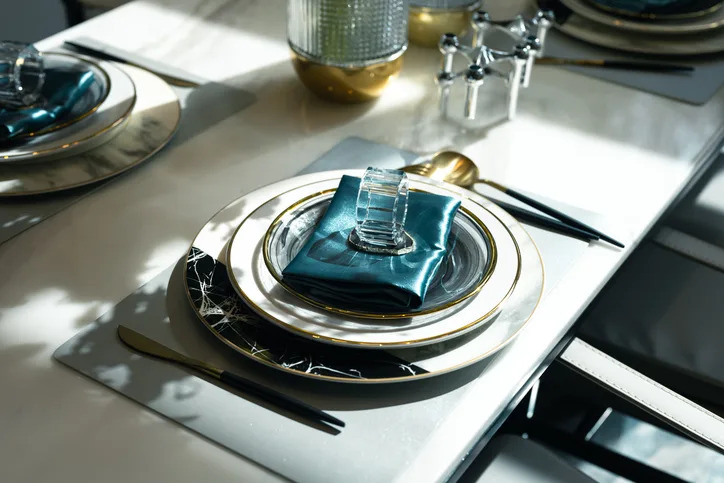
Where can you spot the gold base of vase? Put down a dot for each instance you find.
(346, 84)
(427, 25)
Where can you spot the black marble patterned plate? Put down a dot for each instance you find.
(225, 314)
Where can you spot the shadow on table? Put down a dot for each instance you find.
(203, 108)
(168, 318)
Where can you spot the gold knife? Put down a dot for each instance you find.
(143, 344)
(616, 64)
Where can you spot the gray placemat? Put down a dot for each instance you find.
(387, 425)
(201, 110)
(695, 88)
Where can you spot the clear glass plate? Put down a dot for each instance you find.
(95, 127)
(463, 271)
(89, 102)
(249, 261)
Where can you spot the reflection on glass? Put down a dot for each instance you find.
(461, 271)
(382, 208)
(21, 74)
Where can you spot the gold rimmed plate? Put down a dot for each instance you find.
(225, 315)
(704, 23)
(470, 261)
(657, 11)
(90, 128)
(149, 127)
(88, 103)
(596, 33)
(263, 292)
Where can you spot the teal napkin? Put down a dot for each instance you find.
(328, 269)
(62, 89)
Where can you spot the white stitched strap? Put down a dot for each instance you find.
(704, 252)
(692, 419)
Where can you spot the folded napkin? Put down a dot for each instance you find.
(328, 268)
(62, 89)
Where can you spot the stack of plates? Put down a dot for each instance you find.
(697, 27)
(484, 292)
(125, 116)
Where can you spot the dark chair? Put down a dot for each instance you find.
(663, 313)
(76, 11)
(513, 459)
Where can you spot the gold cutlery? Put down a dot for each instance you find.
(143, 344)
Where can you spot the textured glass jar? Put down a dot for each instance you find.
(430, 19)
(347, 50)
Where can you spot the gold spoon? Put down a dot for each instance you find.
(458, 169)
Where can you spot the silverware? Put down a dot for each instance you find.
(458, 169)
(95, 48)
(143, 344)
(521, 214)
(616, 64)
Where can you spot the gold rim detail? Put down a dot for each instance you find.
(344, 342)
(161, 145)
(295, 372)
(349, 85)
(67, 123)
(368, 315)
(124, 117)
(426, 25)
(655, 16)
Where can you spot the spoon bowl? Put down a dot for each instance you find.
(456, 168)
(449, 166)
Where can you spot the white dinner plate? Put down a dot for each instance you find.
(225, 315)
(692, 25)
(105, 122)
(264, 293)
(152, 123)
(88, 102)
(582, 28)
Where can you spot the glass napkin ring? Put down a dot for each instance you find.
(21, 74)
(381, 211)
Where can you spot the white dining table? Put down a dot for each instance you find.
(623, 154)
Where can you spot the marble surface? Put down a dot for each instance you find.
(407, 414)
(605, 148)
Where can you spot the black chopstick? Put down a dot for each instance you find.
(278, 398)
(617, 64)
(556, 214)
(545, 222)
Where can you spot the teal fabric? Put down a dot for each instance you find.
(328, 269)
(62, 89)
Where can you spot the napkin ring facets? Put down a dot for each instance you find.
(381, 211)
